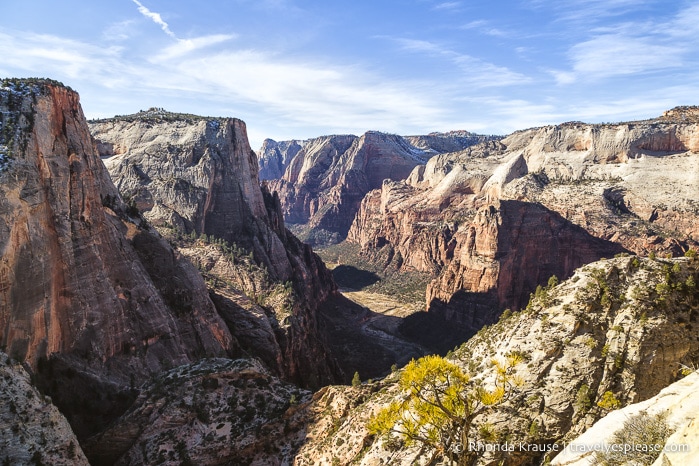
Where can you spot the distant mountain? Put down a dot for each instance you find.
(324, 182)
(452, 141)
(497, 219)
(273, 157)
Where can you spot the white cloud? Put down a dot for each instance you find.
(156, 18)
(450, 6)
(616, 54)
(119, 31)
(184, 46)
(475, 71)
(47, 55)
(475, 24)
(631, 48)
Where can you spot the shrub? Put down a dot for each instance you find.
(582, 398)
(608, 401)
(641, 429)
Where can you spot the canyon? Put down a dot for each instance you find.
(156, 309)
(324, 181)
(493, 222)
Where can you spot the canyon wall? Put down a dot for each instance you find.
(87, 288)
(497, 219)
(324, 183)
(198, 177)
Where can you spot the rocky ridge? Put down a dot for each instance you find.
(580, 191)
(618, 329)
(326, 180)
(34, 431)
(273, 157)
(197, 177)
(679, 406)
(92, 299)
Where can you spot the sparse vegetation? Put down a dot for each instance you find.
(647, 433)
(440, 404)
(157, 115)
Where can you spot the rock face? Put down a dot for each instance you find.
(325, 182)
(618, 329)
(452, 141)
(198, 176)
(503, 216)
(33, 430)
(273, 157)
(85, 286)
(678, 402)
(212, 412)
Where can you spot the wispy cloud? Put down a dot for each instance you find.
(184, 46)
(589, 11)
(617, 54)
(450, 6)
(474, 70)
(156, 18)
(119, 31)
(300, 93)
(631, 48)
(485, 27)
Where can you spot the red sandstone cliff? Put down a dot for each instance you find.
(325, 181)
(494, 221)
(84, 289)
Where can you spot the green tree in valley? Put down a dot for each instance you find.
(356, 381)
(439, 405)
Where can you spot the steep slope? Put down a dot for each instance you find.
(327, 179)
(273, 157)
(34, 431)
(678, 404)
(616, 332)
(214, 412)
(197, 177)
(503, 216)
(91, 298)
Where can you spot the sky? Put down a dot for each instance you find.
(296, 69)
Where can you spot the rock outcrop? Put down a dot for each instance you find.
(325, 182)
(273, 157)
(678, 404)
(617, 332)
(33, 430)
(503, 216)
(452, 141)
(213, 412)
(197, 177)
(91, 299)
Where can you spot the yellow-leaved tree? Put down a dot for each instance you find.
(439, 404)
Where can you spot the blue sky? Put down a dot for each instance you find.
(300, 69)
